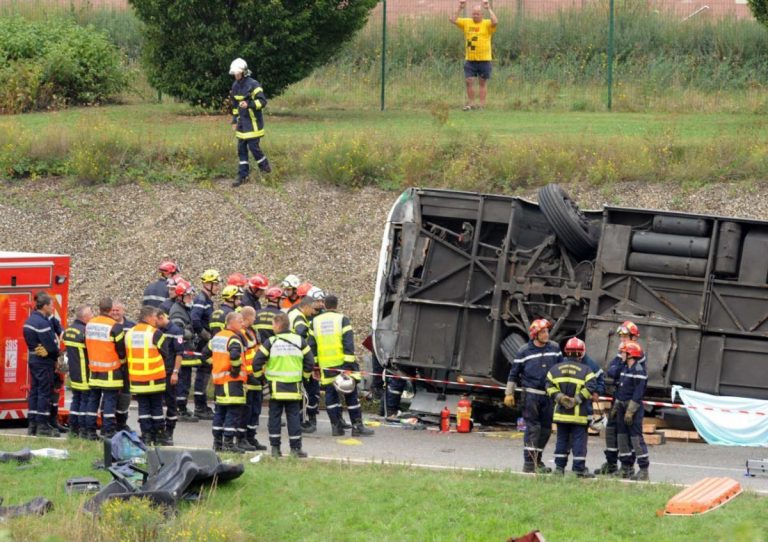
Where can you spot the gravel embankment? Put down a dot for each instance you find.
(116, 235)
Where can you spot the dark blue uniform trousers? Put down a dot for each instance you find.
(250, 422)
(611, 444)
(571, 438)
(333, 405)
(108, 408)
(537, 412)
(243, 145)
(202, 376)
(78, 409)
(293, 419)
(40, 391)
(312, 387)
(169, 398)
(151, 419)
(630, 439)
(226, 420)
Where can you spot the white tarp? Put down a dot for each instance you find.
(741, 426)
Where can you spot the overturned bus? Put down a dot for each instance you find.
(461, 275)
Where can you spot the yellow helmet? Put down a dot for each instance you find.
(210, 275)
(230, 292)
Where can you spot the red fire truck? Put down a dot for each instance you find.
(22, 274)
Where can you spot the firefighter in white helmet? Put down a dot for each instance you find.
(248, 102)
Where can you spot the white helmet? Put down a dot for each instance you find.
(316, 294)
(291, 281)
(344, 383)
(238, 66)
(598, 422)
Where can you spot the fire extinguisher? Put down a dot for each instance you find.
(445, 420)
(464, 415)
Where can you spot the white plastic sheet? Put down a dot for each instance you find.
(744, 428)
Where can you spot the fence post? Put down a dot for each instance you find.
(610, 55)
(383, 50)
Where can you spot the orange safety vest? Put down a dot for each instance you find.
(102, 354)
(146, 368)
(286, 304)
(221, 363)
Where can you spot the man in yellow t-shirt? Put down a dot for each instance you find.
(477, 36)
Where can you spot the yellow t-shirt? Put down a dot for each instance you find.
(478, 38)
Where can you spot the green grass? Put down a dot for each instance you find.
(291, 500)
(500, 151)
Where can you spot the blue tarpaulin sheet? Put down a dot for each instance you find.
(745, 423)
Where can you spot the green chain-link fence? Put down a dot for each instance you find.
(670, 55)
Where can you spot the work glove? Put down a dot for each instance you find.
(614, 411)
(234, 372)
(205, 335)
(566, 402)
(40, 351)
(509, 401)
(629, 414)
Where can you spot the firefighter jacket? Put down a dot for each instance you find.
(249, 120)
(251, 343)
(286, 359)
(105, 343)
(146, 368)
(219, 317)
(227, 353)
(250, 300)
(39, 330)
(576, 380)
(155, 293)
(598, 372)
(615, 365)
(263, 322)
(180, 316)
(202, 309)
(531, 364)
(631, 381)
(299, 324)
(166, 305)
(77, 356)
(334, 345)
(172, 346)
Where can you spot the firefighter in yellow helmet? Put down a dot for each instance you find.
(202, 310)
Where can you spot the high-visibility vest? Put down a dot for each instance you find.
(285, 366)
(328, 330)
(222, 364)
(146, 368)
(103, 360)
(251, 345)
(77, 358)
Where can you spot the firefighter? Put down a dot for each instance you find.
(249, 425)
(157, 291)
(237, 279)
(628, 410)
(180, 315)
(124, 396)
(298, 318)
(529, 370)
(286, 359)
(254, 291)
(571, 384)
(248, 101)
(59, 375)
(166, 305)
(335, 354)
(43, 350)
(230, 296)
(105, 343)
(627, 331)
(265, 316)
(202, 309)
(77, 362)
(227, 352)
(146, 373)
(290, 297)
(172, 351)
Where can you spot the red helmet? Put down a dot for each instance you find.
(537, 326)
(258, 282)
(168, 267)
(303, 289)
(274, 293)
(632, 349)
(183, 288)
(575, 346)
(628, 328)
(237, 279)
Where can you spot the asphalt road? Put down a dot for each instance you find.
(675, 462)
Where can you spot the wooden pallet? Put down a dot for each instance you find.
(681, 436)
(655, 439)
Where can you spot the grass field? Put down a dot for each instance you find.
(289, 500)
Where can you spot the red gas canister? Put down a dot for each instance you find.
(445, 420)
(464, 415)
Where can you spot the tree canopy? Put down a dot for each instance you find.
(190, 43)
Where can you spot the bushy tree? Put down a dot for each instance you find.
(759, 10)
(190, 43)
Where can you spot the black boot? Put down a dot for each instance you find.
(218, 443)
(255, 443)
(47, 430)
(186, 416)
(162, 439)
(607, 468)
(345, 425)
(337, 430)
(584, 473)
(310, 424)
(91, 434)
(148, 439)
(204, 413)
(239, 181)
(265, 167)
(641, 475)
(360, 430)
(276, 452)
(229, 445)
(298, 452)
(626, 472)
(32, 428)
(244, 445)
(168, 437)
(74, 430)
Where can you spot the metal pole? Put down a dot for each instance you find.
(383, 50)
(610, 55)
